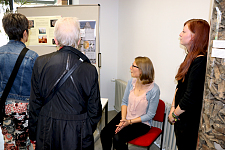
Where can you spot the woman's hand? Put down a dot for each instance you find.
(119, 126)
(175, 117)
(33, 143)
(34, 146)
(170, 117)
(123, 123)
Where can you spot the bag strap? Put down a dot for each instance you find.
(81, 102)
(60, 82)
(13, 75)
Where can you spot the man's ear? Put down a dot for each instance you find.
(56, 42)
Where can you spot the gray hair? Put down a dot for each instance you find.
(67, 31)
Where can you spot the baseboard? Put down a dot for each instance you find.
(110, 108)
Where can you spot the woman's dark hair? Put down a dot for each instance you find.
(147, 70)
(199, 44)
(14, 25)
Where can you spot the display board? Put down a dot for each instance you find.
(85, 13)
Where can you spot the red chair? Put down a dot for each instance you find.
(147, 139)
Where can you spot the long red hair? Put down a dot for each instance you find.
(199, 44)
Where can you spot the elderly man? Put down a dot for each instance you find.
(64, 115)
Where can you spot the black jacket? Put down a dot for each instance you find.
(69, 119)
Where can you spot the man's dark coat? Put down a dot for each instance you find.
(69, 119)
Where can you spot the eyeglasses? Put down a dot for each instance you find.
(134, 66)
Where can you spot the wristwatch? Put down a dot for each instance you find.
(175, 117)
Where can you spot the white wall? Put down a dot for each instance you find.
(151, 28)
(3, 37)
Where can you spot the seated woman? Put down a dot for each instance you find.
(138, 107)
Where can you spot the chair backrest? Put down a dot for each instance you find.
(159, 116)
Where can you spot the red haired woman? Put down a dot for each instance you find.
(186, 106)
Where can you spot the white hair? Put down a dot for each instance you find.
(67, 31)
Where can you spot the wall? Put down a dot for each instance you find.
(131, 28)
(152, 28)
(3, 37)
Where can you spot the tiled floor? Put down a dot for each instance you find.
(98, 145)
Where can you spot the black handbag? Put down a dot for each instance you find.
(10, 83)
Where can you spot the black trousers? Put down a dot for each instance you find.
(186, 135)
(125, 135)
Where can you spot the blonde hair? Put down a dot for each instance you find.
(67, 31)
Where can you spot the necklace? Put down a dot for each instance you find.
(139, 87)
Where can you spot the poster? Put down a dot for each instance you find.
(88, 39)
(41, 31)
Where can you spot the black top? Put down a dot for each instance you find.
(189, 94)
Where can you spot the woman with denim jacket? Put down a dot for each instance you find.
(138, 107)
(15, 125)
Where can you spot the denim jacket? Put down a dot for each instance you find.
(153, 99)
(8, 56)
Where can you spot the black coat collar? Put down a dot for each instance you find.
(77, 52)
